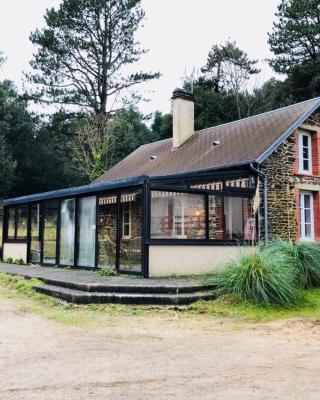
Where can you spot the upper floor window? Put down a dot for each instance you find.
(305, 153)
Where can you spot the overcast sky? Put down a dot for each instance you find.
(179, 34)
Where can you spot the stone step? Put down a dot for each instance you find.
(119, 286)
(85, 297)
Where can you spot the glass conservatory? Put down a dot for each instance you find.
(134, 225)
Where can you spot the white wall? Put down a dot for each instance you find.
(15, 251)
(190, 260)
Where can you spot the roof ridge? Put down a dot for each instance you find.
(258, 115)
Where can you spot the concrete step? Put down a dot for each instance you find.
(118, 286)
(85, 297)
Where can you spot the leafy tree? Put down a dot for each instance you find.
(127, 131)
(34, 156)
(162, 126)
(84, 54)
(211, 107)
(295, 42)
(7, 168)
(99, 142)
(229, 68)
(272, 95)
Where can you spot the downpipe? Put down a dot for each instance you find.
(265, 200)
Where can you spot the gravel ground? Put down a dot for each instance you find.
(160, 357)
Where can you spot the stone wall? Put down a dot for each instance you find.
(279, 169)
(284, 181)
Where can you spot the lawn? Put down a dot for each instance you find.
(20, 290)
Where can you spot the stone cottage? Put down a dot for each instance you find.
(184, 205)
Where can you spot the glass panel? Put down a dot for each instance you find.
(307, 216)
(107, 234)
(306, 165)
(216, 218)
(307, 201)
(131, 231)
(231, 218)
(307, 228)
(11, 223)
(35, 248)
(305, 141)
(22, 228)
(87, 232)
(50, 232)
(67, 232)
(177, 215)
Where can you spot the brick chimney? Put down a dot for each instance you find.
(183, 117)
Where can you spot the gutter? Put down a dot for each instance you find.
(265, 200)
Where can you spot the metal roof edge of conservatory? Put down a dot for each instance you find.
(74, 191)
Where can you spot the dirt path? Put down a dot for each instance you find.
(156, 358)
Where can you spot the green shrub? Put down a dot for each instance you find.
(261, 277)
(107, 272)
(9, 260)
(303, 258)
(19, 261)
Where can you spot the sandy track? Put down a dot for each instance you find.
(156, 358)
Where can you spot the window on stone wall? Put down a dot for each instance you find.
(305, 152)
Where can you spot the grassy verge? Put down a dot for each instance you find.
(20, 290)
(230, 306)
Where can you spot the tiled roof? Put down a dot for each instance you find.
(247, 140)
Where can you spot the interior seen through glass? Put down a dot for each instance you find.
(87, 232)
(131, 231)
(177, 215)
(50, 232)
(35, 247)
(22, 223)
(107, 233)
(231, 218)
(11, 223)
(67, 232)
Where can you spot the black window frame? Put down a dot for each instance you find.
(15, 238)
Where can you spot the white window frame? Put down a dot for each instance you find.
(301, 159)
(128, 210)
(302, 216)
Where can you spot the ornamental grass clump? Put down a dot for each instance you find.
(303, 258)
(260, 277)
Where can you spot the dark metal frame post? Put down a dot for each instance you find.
(29, 234)
(58, 233)
(76, 233)
(118, 240)
(4, 229)
(207, 216)
(97, 247)
(42, 218)
(146, 218)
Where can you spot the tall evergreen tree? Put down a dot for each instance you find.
(84, 53)
(229, 68)
(295, 42)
